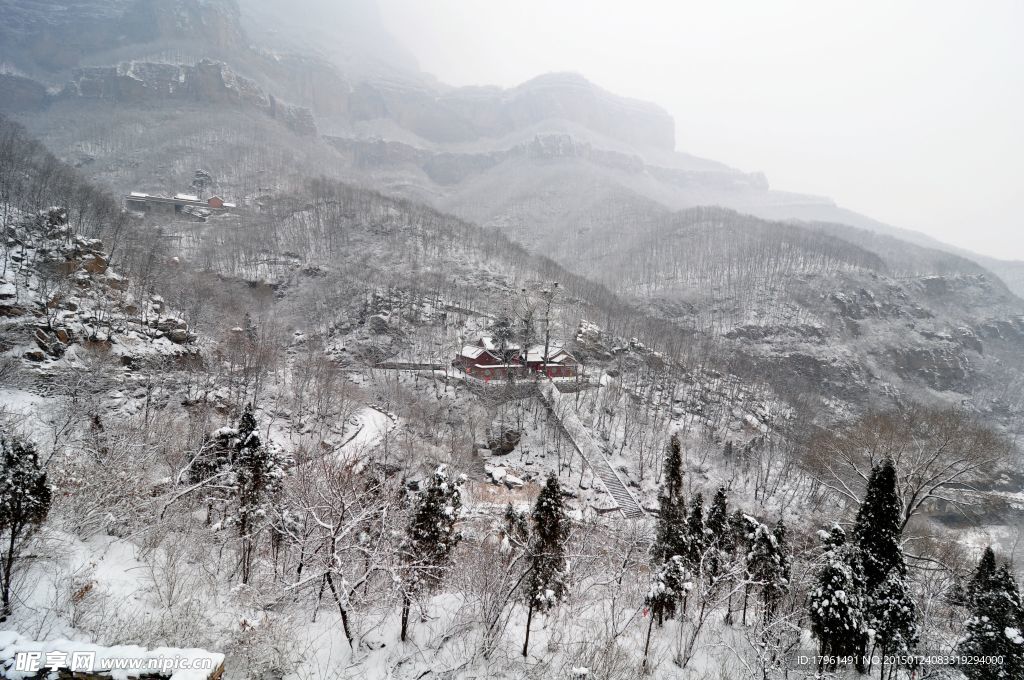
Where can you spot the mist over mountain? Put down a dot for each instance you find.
(317, 366)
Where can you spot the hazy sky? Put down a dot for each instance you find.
(910, 111)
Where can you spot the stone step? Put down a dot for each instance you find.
(592, 453)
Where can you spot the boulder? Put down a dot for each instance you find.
(171, 324)
(505, 444)
(95, 264)
(513, 482)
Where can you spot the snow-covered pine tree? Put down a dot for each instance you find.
(981, 580)
(720, 537)
(503, 331)
(516, 529)
(243, 478)
(669, 534)
(894, 616)
(670, 582)
(717, 522)
(668, 585)
(25, 499)
(836, 602)
(696, 537)
(785, 559)
(431, 537)
(996, 629)
(259, 474)
(877, 532)
(877, 528)
(766, 566)
(742, 526)
(546, 585)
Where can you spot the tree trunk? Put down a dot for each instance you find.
(319, 597)
(406, 604)
(647, 643)
(529, 618)
(7, 575)
(341, 609)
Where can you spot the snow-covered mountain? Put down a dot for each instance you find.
(256, 431)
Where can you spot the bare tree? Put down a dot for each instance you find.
(940, 455)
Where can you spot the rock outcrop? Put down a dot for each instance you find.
(51, 37)
(207, 82)
(60, 293)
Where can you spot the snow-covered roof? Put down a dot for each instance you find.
(186, 197)
(556, 353)
(139, 194)
(230, 205)
(491, 344)
(471, 352)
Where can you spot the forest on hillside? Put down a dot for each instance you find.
(203, 448)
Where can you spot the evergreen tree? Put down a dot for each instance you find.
(720, 535)
(258, 477)
(785, 559)
(516, 531)
(201, 181)
(546, 585)
(669, 541)
(981, 580)
(877, 530)
(717, 522)
(766, 566)
(247, 473)
(696, 541)
(836, 603)
(25, 499)
(669, 534)
(503, 331)
(742, 528)
(670, 583)
(894, 616)
(431, 537)
(996, 628)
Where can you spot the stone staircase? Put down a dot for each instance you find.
(563, 410)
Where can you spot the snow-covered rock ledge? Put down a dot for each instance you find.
(22, 658)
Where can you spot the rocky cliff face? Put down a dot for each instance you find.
(217, 23)
(207, 82)
(50, 37)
